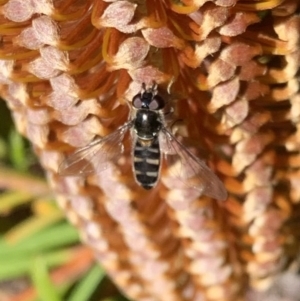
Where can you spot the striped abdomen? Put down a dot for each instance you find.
(146, 163)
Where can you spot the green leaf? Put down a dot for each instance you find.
(20, 266)
(59, 235)
(42, 282)
(3, 149)
(87, 286)
(14, 259)
(17, 153)
(32, 225)
(11, 199)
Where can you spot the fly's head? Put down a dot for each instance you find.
(148, 99)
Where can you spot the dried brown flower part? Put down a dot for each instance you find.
(230, 70)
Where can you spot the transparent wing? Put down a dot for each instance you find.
(93, 158)
(188, 170)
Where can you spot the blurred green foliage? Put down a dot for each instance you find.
(41, 257)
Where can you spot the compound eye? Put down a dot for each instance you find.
(157, 103)
(137, 101)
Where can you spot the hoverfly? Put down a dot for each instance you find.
(152, 144)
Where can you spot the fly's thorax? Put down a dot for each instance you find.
(147, 124)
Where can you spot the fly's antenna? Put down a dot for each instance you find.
(154, 88)
(144, 87)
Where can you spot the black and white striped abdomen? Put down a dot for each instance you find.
(146, 163)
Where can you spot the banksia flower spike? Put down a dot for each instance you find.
(229, 70)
